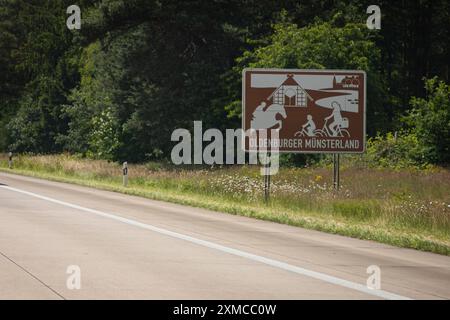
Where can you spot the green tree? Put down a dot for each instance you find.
(429, 120)
(137, 69)
(321, 45)
(41, 67)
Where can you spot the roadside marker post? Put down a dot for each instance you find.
(336, 173)
(125, 173)
(10, 155)
(267, 182)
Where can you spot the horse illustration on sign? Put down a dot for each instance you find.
(265, 118)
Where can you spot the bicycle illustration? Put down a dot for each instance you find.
(302, 133)
(308, 129)
(339, 131)
(325, 131)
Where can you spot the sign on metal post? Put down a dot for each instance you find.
(314, 111)
(125, 173)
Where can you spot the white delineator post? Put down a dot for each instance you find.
(336, 173)
(267, 180)
(125, 173)
(10, 160)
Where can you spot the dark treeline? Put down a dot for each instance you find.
(138, 69)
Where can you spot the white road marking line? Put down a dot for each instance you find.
(274, 263)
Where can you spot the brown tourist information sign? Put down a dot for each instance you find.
(312, 111)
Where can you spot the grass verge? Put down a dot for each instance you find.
(387, 215)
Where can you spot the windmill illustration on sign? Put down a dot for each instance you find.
(288, 94)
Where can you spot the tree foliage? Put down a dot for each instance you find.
(138, 69)
(429, 119)
(321, 45)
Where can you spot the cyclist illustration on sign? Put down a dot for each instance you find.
(338, 127)
(308, 129)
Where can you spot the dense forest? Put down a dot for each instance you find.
(138, 69)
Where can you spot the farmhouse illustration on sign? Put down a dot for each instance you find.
(290, 92)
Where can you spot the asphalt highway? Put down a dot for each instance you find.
(126, 247)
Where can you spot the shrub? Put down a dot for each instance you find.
(429, 119)
(396, 151)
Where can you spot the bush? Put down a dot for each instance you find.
(429, 119)
(401, 151)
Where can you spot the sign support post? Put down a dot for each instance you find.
(125, 173)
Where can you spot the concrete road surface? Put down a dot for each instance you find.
(133, 248)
